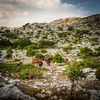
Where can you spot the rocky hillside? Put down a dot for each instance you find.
(91, 23)
(73, 44)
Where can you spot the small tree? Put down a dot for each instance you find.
(9, 53)
(74, 72)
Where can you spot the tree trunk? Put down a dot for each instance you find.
(71, 94)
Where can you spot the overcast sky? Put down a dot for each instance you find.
(19, 12)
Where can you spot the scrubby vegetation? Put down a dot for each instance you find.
(58, 58)
(9, 53)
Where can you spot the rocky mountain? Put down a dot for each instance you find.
(91, 23)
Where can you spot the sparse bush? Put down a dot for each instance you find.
(5, 42)
(24, 74)
(86, 52)
(45, 44)
(9, 53)
(91, 63)
(97, 73)
(39, 56)
(10, 35)
(60, 28)
(44, 37)
(94, 39)
(16, 60)
(93, 44)
(58, 58)
(67, 48)
(63, 34)
(30, 52)
(70, 28)
(43, 51)
(24, 42)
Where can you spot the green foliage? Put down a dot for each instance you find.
(7, 31)
(70, 28)
(10, 35)
(74, 71)
(97, 73)
(94, 39)
(93, 44)
(67, 48)
(24, 74)
(15, 44)
(86, 52)
(37, 36)
(5, 42)
(43, 51)
(91, 63)
(44, 37)
(9, 53)
(75, 41)
(39, 56)
(24, 26)
(45, 44)
(16, 60)
(79, 33)
(58, 58)
(30, 52)
(60, 28)
(63, 34)
(8, 67)
(24, 42)
(21, 43)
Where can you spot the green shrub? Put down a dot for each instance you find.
(39, 56)
(24, 74)
(43, 51)
(5, 42)
(16, 60)
(21, 43)
(97, 73)
(30, 52)
(68, 48)
(63, 34)
(10, 35)
(58, 58)
(93, 44)
(91, 63)
(8, 67)
(86, 52)
(70, 28)
(60, 28)
(24, 42)
(9, 53)
(45, 44)
(94, 39)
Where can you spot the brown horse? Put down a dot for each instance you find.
(65, 60)
(20, 63)
(37, 62)
(47, 60)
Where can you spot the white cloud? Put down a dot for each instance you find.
(19, 12)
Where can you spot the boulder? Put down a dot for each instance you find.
(40, 95)
(0, 75)
(9, 91)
